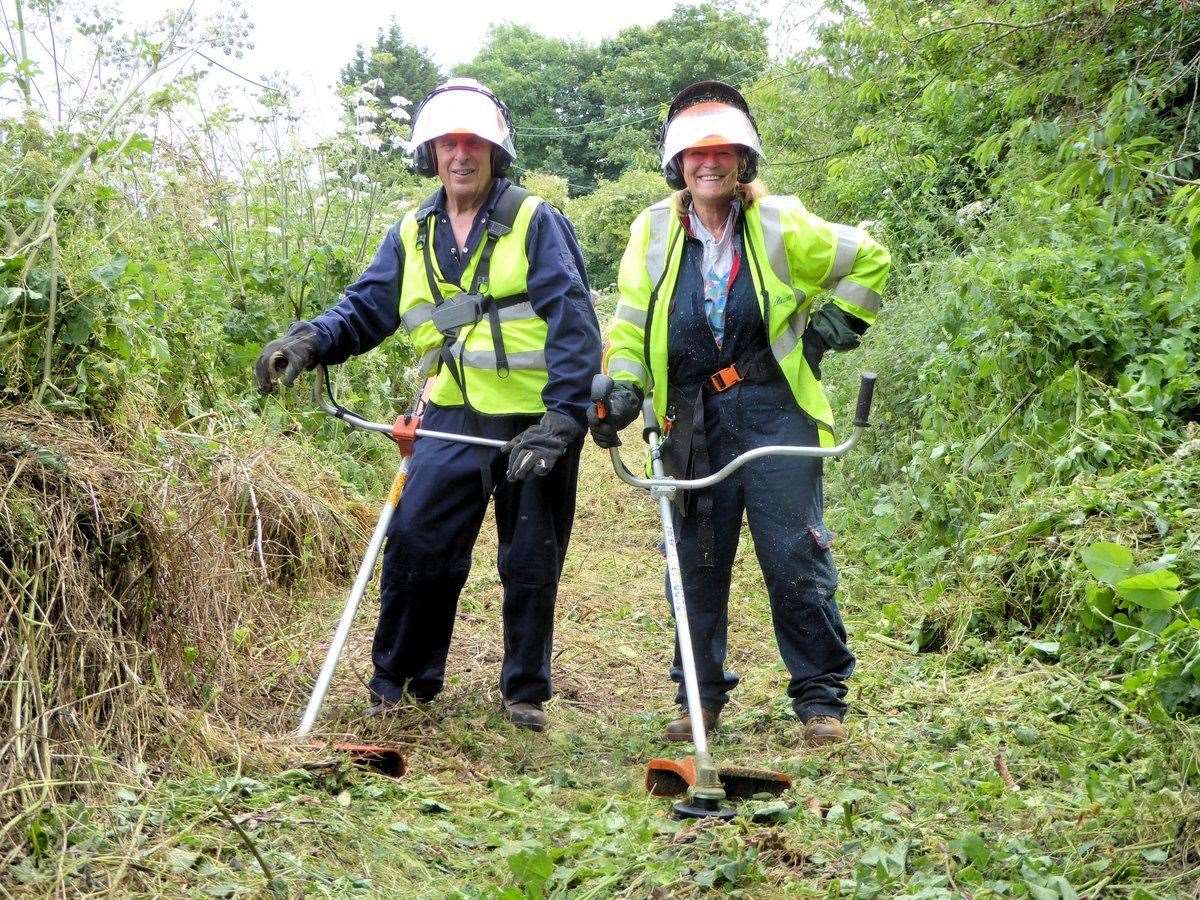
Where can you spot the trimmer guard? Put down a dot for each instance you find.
(672, 777)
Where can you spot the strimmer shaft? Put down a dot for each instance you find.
(682, 627)
(356, 594)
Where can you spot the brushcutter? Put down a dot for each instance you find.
(404, 431)
(707, 785)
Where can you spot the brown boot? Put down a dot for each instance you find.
(525, 715)
(822, 730)
(681, 729)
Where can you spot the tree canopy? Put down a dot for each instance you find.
(405, 69)
(586, 112)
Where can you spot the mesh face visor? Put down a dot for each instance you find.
(709, 124)
(462, 108)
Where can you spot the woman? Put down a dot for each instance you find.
(715, 319)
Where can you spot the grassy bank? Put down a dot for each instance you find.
(987, 771)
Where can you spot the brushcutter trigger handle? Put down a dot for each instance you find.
(602, 387)
(866, 393)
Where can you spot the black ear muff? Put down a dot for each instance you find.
(673, 174)
(425, 160)
(748, 170)
(500, 163)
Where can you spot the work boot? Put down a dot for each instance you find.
(525, 715)
(681, 729)
(381, 708)
(822, 730)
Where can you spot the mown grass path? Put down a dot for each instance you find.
(982, 772)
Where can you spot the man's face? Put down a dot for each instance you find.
(464, 164)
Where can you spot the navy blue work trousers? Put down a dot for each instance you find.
(782, 499)
(428, 556)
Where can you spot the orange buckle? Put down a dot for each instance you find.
(725, 379)
(404, 432)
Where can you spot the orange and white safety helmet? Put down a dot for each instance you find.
(463, 106)
(707, 114)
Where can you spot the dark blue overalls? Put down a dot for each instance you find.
(781, 497)
(428, 553)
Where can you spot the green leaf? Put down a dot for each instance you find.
(774, 811)
(180, 860)
(531, 867)
(1151, 590)
(1046, 649)
(1026, 735)
(111, 272)
(1108, 562)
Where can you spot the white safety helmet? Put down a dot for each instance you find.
(708, 114)
(461, 106)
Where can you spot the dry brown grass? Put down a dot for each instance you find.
(136, 566)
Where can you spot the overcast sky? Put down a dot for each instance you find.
(309, 43)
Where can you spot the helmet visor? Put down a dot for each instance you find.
(462, 109)
(706, 125)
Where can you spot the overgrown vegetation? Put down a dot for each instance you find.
(1018, 542)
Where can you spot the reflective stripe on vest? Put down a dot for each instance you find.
(855, 293)
(424, 313)
(636, 369)
(768, 214)
(660, 228)
(631, 314)
(486, 359)
(791, 336)
(848, 241)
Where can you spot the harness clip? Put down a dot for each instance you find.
(404, 432)
(724, 379)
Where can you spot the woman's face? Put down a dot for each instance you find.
(711, 173)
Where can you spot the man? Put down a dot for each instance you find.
(488, 281)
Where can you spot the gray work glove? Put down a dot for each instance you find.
(291, 354)
(536, 449)
(623, 403)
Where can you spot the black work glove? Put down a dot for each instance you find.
(623, 403)
(536, 449)
(295, 352)
(830, 328)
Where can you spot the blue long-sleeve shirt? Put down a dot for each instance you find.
(556, 283)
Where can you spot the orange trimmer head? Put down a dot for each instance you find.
(672, 777)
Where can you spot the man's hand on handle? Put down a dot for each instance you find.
(285, 358)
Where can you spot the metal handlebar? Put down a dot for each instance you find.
(324, 400)
(657, 484)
